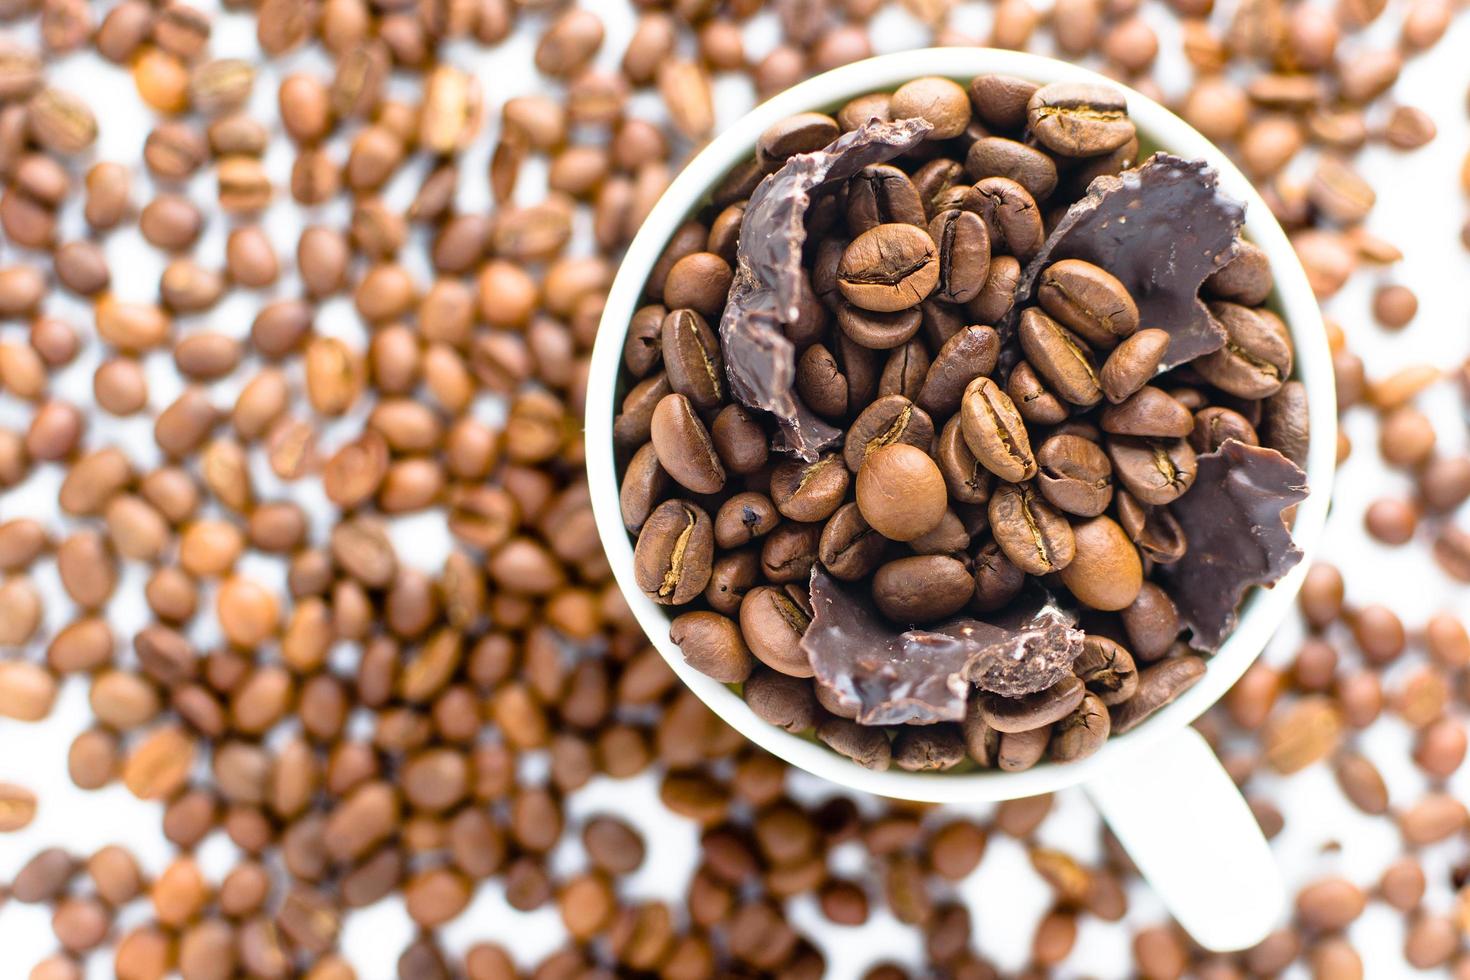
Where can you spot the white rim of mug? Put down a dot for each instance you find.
(1263, 610)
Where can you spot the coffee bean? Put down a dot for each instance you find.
(712, 644)
(994, 156)
(943, 104)
(966, 479)
(1033, 711)
(683, 445)
(742, 518)
(1060, 358)
(966, 356)
(698, 281)
(739, 440)
(674, 551)
(1246, 279)
(994, 432)
(1079, 119)
(789, 552)
(882, 194)
(889, 268)
(1074, 475)
(1034, 536)
(996, 297)
(849, 548)
(888, 421)
(1082, 732)
(1256, 358)
(1154, 471)
(1148, 412)
(692, 360)
(868, 747)
(809, 492)
(1011, 216)
(1000, 100)
(1019, 751)
(17, 807)
(1158, 685)
(921, 588)
(1088, 300)
(1105, 571)
(928, 748)
(904, 370)
(801, 133)
(900, 491)
(878, 331)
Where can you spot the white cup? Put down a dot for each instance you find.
(1160, 787)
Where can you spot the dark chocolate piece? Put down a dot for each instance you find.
(1162, 228)
(1237, 536)
(922, 676)
(759, 360)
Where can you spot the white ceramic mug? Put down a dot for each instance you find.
(1160, 787)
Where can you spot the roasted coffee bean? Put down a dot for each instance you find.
(692, 360)
(739, 440)
(1246, 279)
(963, 243)
(634, 423)
(849, 548)
(712, 644)
(994, 432)
(1035, 537)
(889, 268)
(1034, 710)
(1158, 685)
(1019, 751)
(878, 331)
(732, 575)
(772, 624)
(1153, 529)
(684, 447)
(1079, 119)
(1286, 422)
(674, 551)
(1154, 471)
(1105, 571)
(1107, 669)
(868, 747)
(967, 480)
(1151, 622)
(1074, 475)
(993, 156)
(801, 133)
(904, 370)
(644, 484)
(966, 356)
(1060, 358)
(1089, 301)
(1011, 216)
(1215, 424)
(1256, 358)
(1082, 732)
(810, 492)
(922, 588)
(742, 518)
(1149, 412)
(995, 299)
(881, 194)
(940, 102)
(789, 552)
(1000, 100)
(1032, 399)
(891, 420)
(901, 492)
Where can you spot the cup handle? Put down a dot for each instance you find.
(1192, 836)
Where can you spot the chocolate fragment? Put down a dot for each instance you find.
(1232, 518)
(759, 360)
(1161, 228)
(888, 676)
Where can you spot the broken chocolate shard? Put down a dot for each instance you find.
(1162, 228)
(889, 676)
(760, 361)
(1238, 538)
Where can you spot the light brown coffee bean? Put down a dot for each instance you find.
(889, 268)
(713, 645)
(1074, 475)
(1060, 357)
(901, 492)
(772, 625)
(1105, 572)
(1155, 472)
(810, 491)
(1033, 535)
(683, 445)
(1079, 119)
(994, 432)
(1089, 301)
(692, 360)
(674, 551)
(922, 588)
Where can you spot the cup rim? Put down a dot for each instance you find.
(1263, 610)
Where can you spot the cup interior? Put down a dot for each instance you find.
(1158, 128)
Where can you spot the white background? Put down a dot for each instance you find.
(1419, 209)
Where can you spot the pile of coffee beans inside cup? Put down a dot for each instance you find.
(951, 404)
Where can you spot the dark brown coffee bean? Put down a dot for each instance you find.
(643, 350)
(1079, 119)
(967, 480)
(1011, 216)
(1151, 622)
(1081, 733)
(1074, 475)
(692, 360)
(1215, 424)
(922, 588)
(904, 370)
(881, 194)
(1034, 536)
(1060, 358)
(1089, 301)
(644, 484)
(849, 548)
(994, 156)
(1019, 751)
(712, 644)
(1105, 571)
(1107, 669)
(889, 268)
(634, 423)
(867, 746)
(789, 552)
(732, 575)
(810, 491)
(997, 579)
(901, 492)
(698, 281)
(674, 551)
(1246, 279)
(1256, 358)
(1153, 529)
(741, 519)
(1286, 422)
(965, 356)
(994, 432)
(684, 447)
(801, 133)
(1154, 471)
(994, 301)
(891, 420)
(1158, 685)
(772, 624)
(1148, 412)
(1034, 710)
(1000, 100)
(963, 243)
(878, 331)
(927, 748)
(1032, 399)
